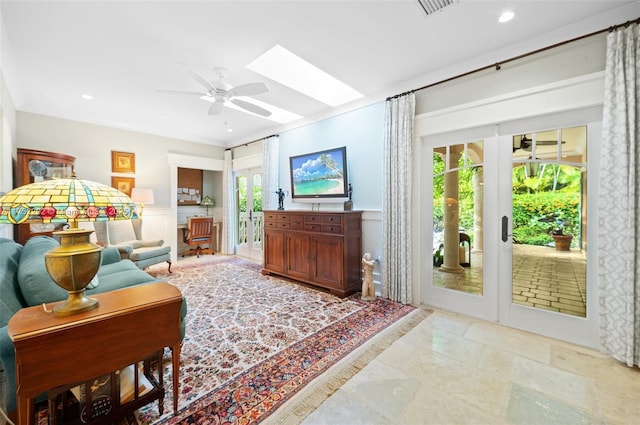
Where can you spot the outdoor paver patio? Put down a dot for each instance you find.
(542, 278)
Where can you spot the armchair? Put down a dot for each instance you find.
(126, 236)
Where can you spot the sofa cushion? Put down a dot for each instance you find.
(120, 275)
(36, 284)
(11, 299)
(150, 252)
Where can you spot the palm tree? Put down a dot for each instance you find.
(330, 163)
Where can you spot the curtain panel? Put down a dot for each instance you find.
(618, 209)
(270, 172)
(396, 202)
(228, 207)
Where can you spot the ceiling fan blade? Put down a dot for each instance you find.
(198, 77)
(251, 107)
(216, 108)
(190, 93)
(250, 89)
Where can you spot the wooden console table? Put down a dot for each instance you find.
(129, 325)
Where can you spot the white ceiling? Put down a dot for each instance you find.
(122, 52)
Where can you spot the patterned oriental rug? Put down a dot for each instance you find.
(254, 341)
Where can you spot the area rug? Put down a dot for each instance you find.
(254, 341)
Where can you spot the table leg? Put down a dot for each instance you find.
(175, 362)
(26, 413)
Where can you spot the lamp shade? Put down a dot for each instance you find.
(76, 260)
(142, 195)
(207, 201)
(65, 201)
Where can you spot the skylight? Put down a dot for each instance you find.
(284, 67)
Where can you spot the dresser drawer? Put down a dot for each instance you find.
(276, 224)
(297, 222)
(310, 227)
(323, 228)
(332, 228)
(276, 217)
(308, 219)
(332, 219)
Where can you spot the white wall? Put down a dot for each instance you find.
(92, 145)
(7, 147)
(362, 132)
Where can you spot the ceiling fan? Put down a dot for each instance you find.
(525, 143)
(218, 92)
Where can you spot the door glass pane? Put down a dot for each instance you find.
(257, 211)
(457, 217)
(549, 220)
(241, 201)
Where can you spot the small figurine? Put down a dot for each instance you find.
(348, 205)
(368, 289)
(280, 194)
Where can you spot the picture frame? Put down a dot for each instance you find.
(123, 184)
(123, 162)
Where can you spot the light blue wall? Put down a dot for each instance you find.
(362, 132)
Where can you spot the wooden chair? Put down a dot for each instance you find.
(199, 231)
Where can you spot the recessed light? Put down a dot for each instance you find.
(506, 16)
(283, 66)
(87, 97)
(229, 130)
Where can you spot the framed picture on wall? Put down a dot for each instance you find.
(123, 162)
(123, 184)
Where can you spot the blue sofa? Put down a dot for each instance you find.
(25, 282)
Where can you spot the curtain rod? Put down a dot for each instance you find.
(498, 65)
(254, 141)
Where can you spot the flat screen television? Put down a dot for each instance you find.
(319, 177)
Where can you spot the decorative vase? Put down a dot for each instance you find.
(563, 242)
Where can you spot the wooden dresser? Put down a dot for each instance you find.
(320, 248)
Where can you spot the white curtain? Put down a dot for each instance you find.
(396, 203)
(619, 218)
(270, 172)
(228, 205)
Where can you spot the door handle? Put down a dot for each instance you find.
(505, 228)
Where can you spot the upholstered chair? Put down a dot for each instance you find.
(126, 235)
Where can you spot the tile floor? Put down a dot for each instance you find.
(452, 369)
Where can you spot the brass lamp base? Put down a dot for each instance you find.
(77, 302)
(72, 265)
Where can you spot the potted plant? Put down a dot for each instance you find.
(438, 257)
(562, 240)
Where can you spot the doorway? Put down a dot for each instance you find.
(503, 207)
(249, 216)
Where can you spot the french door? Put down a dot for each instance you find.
(502, 208)
(249, 217)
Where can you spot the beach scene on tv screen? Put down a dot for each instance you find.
(318, 174)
